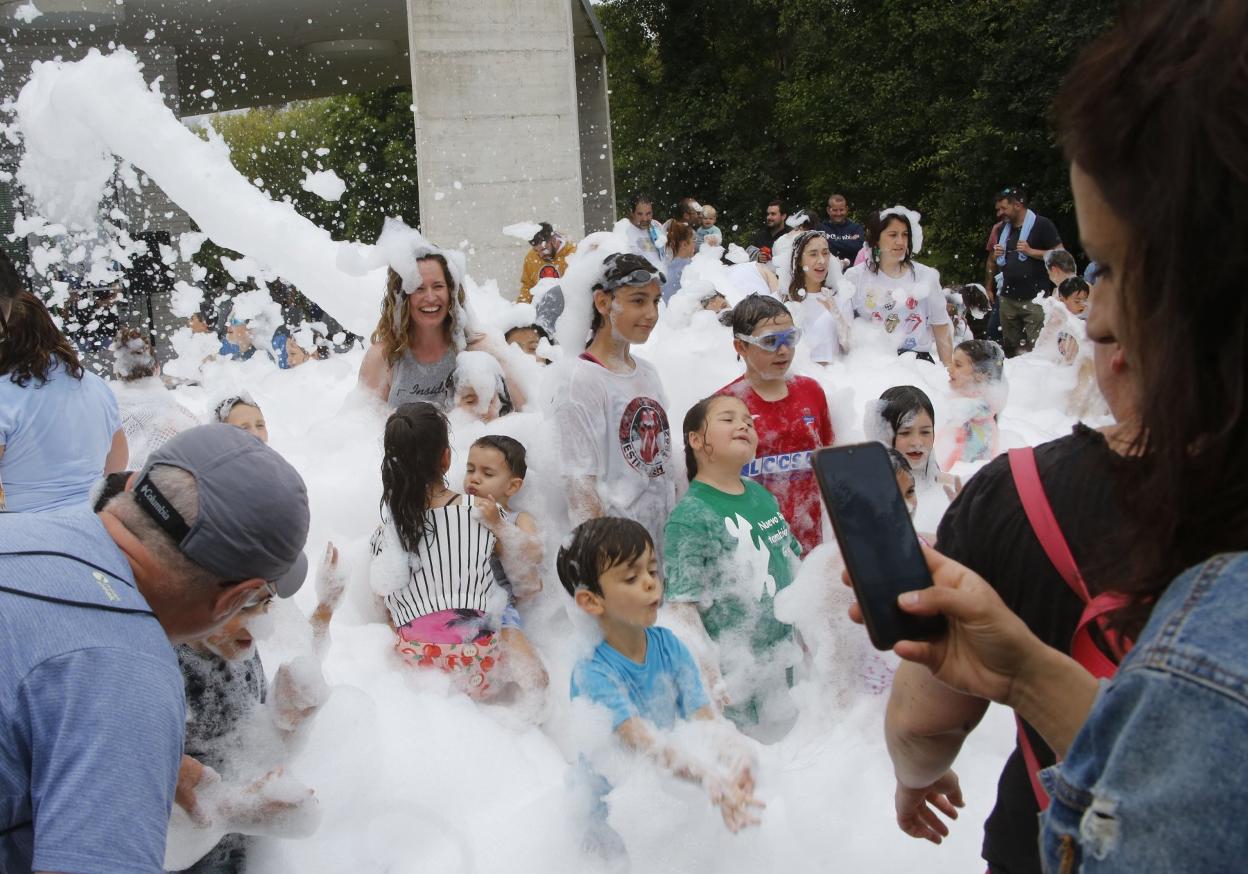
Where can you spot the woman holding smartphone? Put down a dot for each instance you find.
(1148, 780)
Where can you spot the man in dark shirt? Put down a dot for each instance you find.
(987, 530)
(773, 230)
(1019, 252)
(845, 236)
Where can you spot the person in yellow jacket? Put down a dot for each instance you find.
(547, 259)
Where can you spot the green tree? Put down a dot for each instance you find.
(367, 139)
(923, 102)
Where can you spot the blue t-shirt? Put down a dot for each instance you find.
(665, 688)
(56, 437)
(91, 710)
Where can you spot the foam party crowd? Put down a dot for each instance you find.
(386, 568)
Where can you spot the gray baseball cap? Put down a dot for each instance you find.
(253, 506)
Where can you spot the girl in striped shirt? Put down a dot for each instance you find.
(431, 557)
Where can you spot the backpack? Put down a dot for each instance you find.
(1083, 647)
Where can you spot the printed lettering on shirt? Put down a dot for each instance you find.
(786, 462)
(645, 437)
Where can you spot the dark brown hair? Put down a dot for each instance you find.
(417, 436)
(597, 546)
(34, 345)
(875, 227)
(1155, 112)
(797, 284)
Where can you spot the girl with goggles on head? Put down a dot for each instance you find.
(615, 438)
(790, 412)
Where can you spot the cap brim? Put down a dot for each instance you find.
(289, 582)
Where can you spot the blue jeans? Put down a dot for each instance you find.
(1154, 781)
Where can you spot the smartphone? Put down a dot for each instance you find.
(878, 541)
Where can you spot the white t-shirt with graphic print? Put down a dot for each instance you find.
(614, 426)
(906, 307)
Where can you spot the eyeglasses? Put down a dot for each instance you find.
(262, 597)
(775, 340)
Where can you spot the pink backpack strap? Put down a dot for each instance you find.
(1043, 522)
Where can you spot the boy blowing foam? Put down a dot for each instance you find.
(644, 675)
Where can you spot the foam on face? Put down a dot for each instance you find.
(409, 775)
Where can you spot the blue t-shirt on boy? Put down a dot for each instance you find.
(666, 687)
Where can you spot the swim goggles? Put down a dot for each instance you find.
(617, 275)
(775, 340)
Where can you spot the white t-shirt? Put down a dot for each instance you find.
(826, 330)
(56, 437)
(640, 241)
(614, 426)
(907, 307)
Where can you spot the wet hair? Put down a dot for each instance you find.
(695, 420)
(987, 358)
(226, 405)
(1062, 260)
(1071, 286)
(545, 232)
(416, 438)
(394, 327)
(973, 297)
(33, 345)
(755, 309)
(1152, 112)
(637, 199)
(875, 227)
(614, 267)
(511, 448)
(678, 233)
(900, 463)
(597, 546)
(902, 402)
(11, 283)
(797, 284)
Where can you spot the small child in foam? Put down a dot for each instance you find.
(528, 337)
(241, 411)
(479, 388)
(644, 675)
(708, 233)
(976, 376)
(495, 472)
(225, 683)
(728, 554)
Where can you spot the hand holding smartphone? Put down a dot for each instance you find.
(877, 540)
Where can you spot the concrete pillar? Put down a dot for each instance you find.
(497, 136)
(597, 164)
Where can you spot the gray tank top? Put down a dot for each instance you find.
(413, 381)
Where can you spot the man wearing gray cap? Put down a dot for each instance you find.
(91, 706)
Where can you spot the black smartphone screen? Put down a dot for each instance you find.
(878, 541)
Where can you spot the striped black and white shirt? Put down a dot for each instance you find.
(451, 568)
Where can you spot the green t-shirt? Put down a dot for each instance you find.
(730, 554)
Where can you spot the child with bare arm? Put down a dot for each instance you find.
(495, 472)
(643, 674)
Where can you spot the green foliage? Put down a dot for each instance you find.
(931, 103)
(368, 139)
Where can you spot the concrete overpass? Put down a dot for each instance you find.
(511, 118)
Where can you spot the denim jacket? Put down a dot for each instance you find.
(1157, 778)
